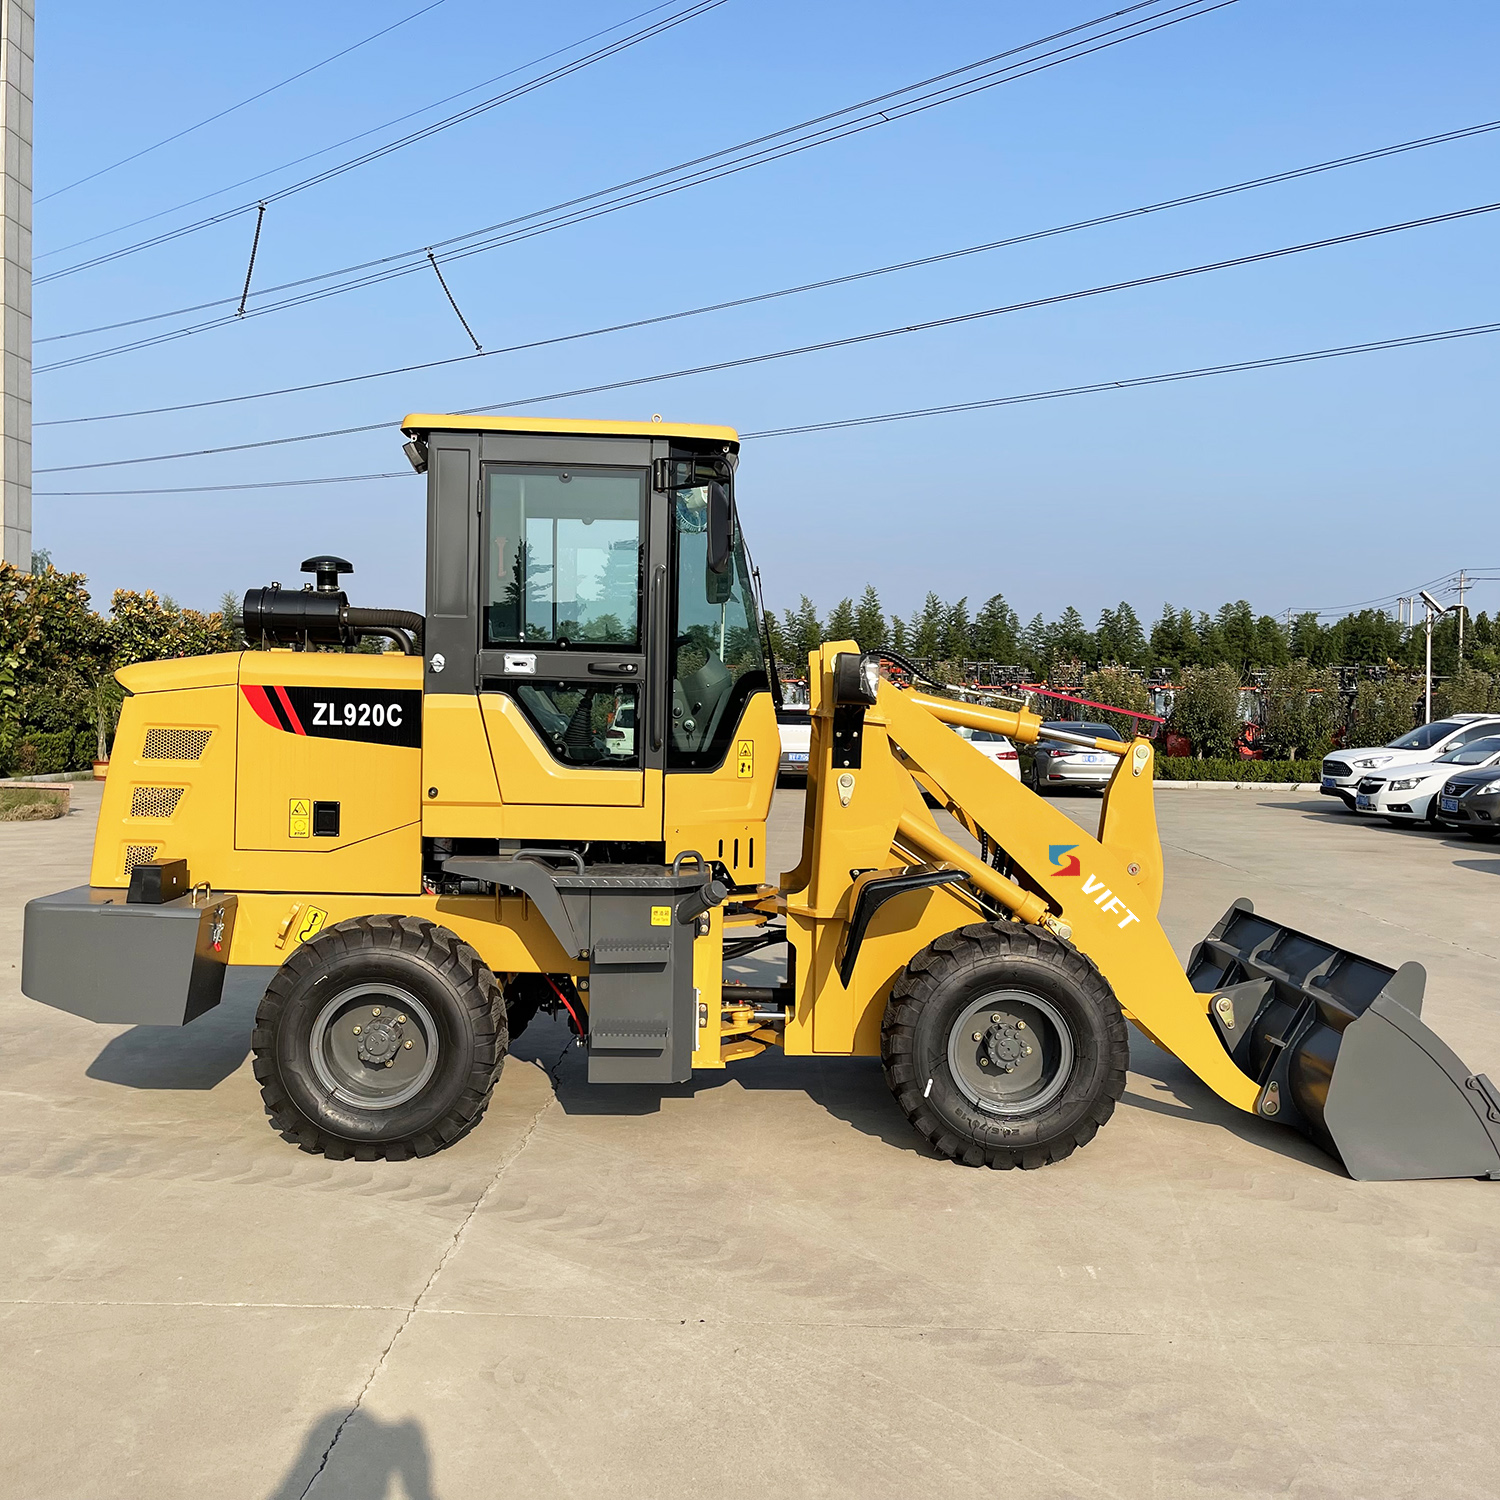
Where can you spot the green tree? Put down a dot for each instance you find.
(1236, 636)
(1174, 640)
(1301, 705)
(1467, 691)
(869, 621)
(841, 624)
(1382, 711)
(900, 637)
(958, 632)
(1120, 637)
(1206, 709)
(1069, 639)
(1034, 645)
(999, 631)
(1122, 689)
(804, 634)
(926, 627)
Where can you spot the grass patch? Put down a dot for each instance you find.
(1223, 768)
(23, 804)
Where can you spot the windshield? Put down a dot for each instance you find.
(1077, 726)
(1475, 753)
(716, 645)
(1425, 737)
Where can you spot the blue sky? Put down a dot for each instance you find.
(1308, 487)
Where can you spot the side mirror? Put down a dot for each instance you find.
(720, 528)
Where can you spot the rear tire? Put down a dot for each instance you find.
(1048, 1062)
(382, 1037)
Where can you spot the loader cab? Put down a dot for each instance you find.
(595, 672)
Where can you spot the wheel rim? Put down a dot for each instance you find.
(1014, 1030)
(374, 1046)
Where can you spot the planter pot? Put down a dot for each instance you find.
(101, 769)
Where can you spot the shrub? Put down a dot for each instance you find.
(1120, 688)
(1382, 711)
(1235, 768)
(1301, 711)
(1206, 708)
(1466, 692)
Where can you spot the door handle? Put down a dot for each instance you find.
(614, 668)
(658, 685)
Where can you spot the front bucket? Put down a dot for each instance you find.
(1336, 1046)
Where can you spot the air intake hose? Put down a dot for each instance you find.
(401, 625)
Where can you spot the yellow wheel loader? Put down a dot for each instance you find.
(553, 795)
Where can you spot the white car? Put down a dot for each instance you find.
(1343, 770)
(993, 747)
(1408, 794)
(619, 736)
(795, 725)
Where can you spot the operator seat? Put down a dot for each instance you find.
(698, 701)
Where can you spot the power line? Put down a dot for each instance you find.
(349, 140)
(1407, 341)
(808, 135)
(811, 286)
(827, 344)
(700, 7)
(204, 489)
(188, 130)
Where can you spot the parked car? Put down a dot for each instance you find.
(992, 746)
(619, 736)
(1471, 801)
(1343, 770)
(1408, 794)
(1051, 763)
(795, 724)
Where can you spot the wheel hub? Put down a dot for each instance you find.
(374, 1046)
(380, 1040)
(1011, 1052)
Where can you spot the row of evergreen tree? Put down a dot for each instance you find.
(1233, 636)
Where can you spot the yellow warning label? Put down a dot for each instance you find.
(299, 818)
(744, 754)
(313, 919)
(661, 916)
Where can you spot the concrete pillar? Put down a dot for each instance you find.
(17, 30)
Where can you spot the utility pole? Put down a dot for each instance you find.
(1434, 609)
(1463, 585)
(17, 32)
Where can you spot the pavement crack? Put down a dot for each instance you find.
(455, 1240)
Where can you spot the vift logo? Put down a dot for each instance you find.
(1063, 860)
(1106, 900)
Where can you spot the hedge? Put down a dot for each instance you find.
(1222, 768)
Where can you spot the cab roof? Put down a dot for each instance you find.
(423, 422)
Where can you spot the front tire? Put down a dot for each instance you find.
(1005, 1046)
(382, 1037)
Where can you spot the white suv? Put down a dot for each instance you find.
(1342, 770)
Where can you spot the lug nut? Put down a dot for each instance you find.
(1009, 1067)
(995, 1016)
(984, 1062)
(1028, 1050)
(375, 1011)
(356, 1031)
(407, 1045)
(978, 1036)
(391, 1063)
(1020, 1026)
(401, 1020)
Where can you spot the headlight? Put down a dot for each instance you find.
(1405, 785)
(1377, 760)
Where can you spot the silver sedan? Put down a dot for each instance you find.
(1052, 764)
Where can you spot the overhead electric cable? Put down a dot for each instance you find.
(1406, 341)
(845, 342)
(563, 70)
(229, 110)
(204, 489)
(349, 140)
(816, 132)
(808, 286)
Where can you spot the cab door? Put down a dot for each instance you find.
(563, 644)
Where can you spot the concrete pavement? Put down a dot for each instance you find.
(758, 1283)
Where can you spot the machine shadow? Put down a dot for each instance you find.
(1147, 1060)
(197, 1057)
(1483, 866)
(370, 1454)
(850, 1089)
